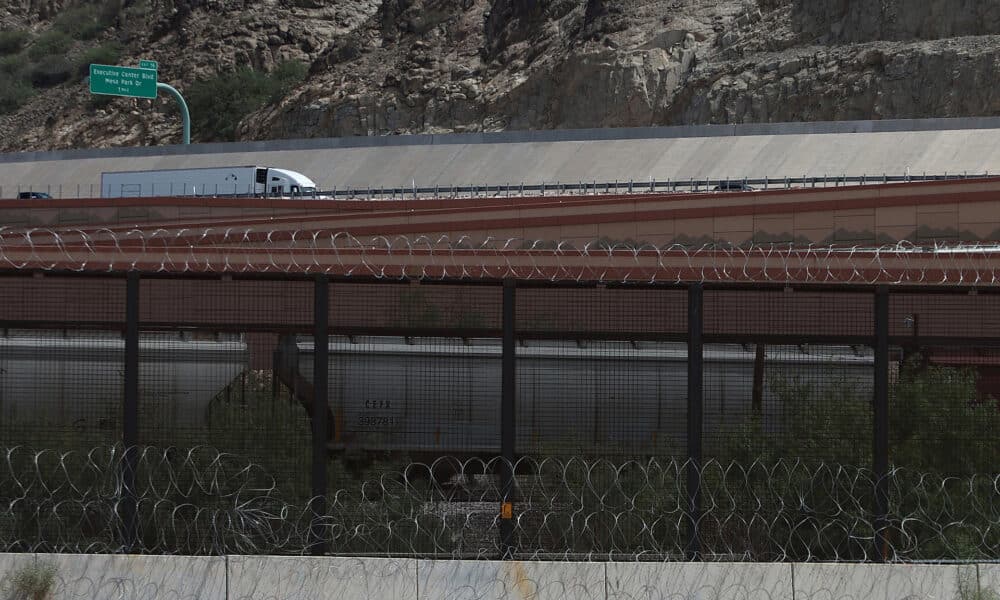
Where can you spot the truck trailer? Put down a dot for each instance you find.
(250, 181)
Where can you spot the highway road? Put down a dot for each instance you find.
(607, 155)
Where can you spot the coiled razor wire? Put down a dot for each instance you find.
(445, 257)
(202, 501)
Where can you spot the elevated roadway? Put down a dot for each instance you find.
(929, 212)
(605, 155)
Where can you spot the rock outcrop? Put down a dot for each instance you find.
(852, 21)
(380, 67)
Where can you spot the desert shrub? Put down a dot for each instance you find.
(11, 64)
(220, 103)
(12, 41)
(51, 43)
(84, 22)
(14, 92)
(50, 71)
(33, 582)
(105, 54)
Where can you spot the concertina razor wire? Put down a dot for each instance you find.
(203, 501)
(230, 250)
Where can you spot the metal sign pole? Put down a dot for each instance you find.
(185, 115)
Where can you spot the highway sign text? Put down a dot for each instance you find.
(122, 81)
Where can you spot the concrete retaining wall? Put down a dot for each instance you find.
(713, 152)
(308, 578)
(93, 576)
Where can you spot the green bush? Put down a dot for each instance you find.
(11, 64)
(938, 423)
(12, 41)
(105, 54)
(219, 104)
(14, 92)
(51, 43)
(139, 9)
(942, 441)
(33, 582)
(50, 71)
(97, 101)
(83, 22)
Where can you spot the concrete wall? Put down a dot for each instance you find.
(93, 576)
(311, 578)
(705, 152)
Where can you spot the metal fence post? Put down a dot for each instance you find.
(130, 415)
(694, 417)
(320, 409)
(508, 398)
(880, 444)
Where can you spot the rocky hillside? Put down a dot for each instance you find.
(376, 67)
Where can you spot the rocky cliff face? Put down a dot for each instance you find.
(851, 21)
(406, 66)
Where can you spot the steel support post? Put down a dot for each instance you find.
(880, 445)
(694, 417)
(508, 398)
(182, 105)
(320, 413)
(130, 415)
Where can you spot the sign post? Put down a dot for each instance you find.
(134, 82)
(185, 115)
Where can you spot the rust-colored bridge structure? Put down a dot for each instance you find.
(876, 233)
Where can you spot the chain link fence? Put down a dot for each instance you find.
(282, 414)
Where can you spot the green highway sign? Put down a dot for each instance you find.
(122, 81)
(149, 64)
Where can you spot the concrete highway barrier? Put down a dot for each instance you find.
(314, 578)
(881, 582)
(512, 579)
(92, 576)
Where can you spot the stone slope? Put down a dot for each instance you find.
(381, 67)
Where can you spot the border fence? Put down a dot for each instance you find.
(294, 414)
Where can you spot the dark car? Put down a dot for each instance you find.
(733, 186)
(32, 195)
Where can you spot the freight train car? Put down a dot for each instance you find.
(442, 396)
(57, 379)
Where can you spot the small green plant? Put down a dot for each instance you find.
(105, 54)
(12, 41)
(14, 92)
(969, 587)
(220, 103)
(97, 101)
(50, 71)
(51, 43)
(33, 582)
(84, 22)
(139, 9)
(11, 64)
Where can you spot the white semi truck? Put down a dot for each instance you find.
(211, 181)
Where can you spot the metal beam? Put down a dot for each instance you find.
(508, 433)
(130, 415)
(320, 410)
(694, 416)
(880, 442)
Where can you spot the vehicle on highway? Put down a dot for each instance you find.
(254, 181)
(33, 196)
(733, 186)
